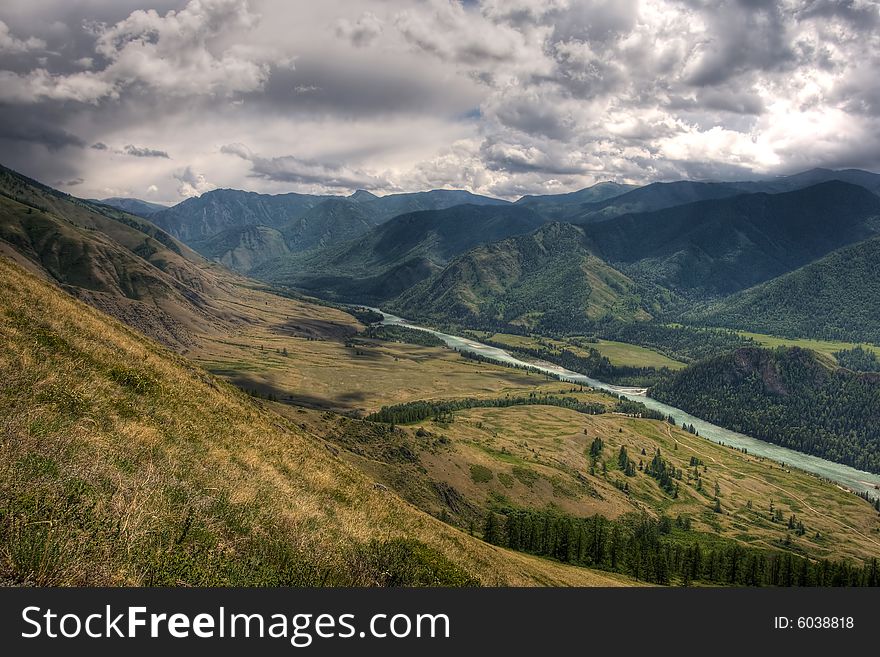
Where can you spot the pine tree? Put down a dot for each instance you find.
(490, 528)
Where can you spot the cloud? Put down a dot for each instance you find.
(362, 33)
(181, 53)
(11, 45)
(69, 183)
(99, 146)
(290, 169)
(504, 97)
(137, 151)
(48, 136)
(192, 183)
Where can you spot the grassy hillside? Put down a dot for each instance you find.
(545, 278)
(719, 247)
(123, 464)
(787, 396)
(834, 298)
(120, 263)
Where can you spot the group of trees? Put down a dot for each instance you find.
(417, 411)
(858, 359)
(589, 362)
(685, 343)
(666, 474)
(663, 551)
(630, 407)
(786, 396)
(404, 334)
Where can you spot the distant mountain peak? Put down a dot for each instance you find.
(363, 195)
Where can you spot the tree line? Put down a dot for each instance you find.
(411, 412)
(663, 551)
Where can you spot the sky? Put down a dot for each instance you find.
(168, 99)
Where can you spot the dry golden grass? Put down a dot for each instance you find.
(122, 463)
(320, 371)
(553, 443)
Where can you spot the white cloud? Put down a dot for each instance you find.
(190, 52)
(361, 33)
(11, 44)
(192, 183)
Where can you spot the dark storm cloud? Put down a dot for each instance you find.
(358, 88)
(14, 127)
(291, 169)
(746, 35)
(861, 15)
(138, 151)
(69, 183)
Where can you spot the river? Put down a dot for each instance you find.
(845, 475)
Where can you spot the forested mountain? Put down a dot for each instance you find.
(866, 179)
(658, 196)
(559, 207)
(707, 249)
(227, 218)
(789, 396)
(544, 278)
(134, 206)
(200, 218)
(399, 253)
(834, 298)
(719, 247)
(119, 263)
(655, 196)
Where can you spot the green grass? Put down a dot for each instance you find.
(624, 354)
(480, 473)
(827, 347)
(619, 353)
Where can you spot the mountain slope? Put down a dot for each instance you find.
(124, 464)
(655, 196)
(399, 253)
(298, 215)
(558, 207)
(719, 247)
(243, 249)
(866, 179)
(835, 298)
(659, 196)
(546, 277)
(134, 206)
(197, 219)
(119, 263)
(791, 397)
(227, 217)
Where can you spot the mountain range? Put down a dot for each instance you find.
(711, 253)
